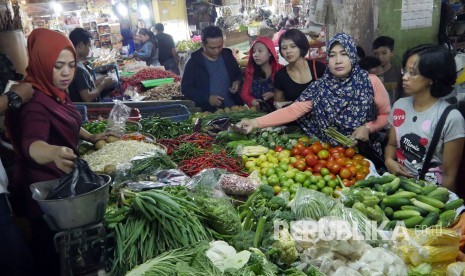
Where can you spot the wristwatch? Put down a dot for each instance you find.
(14, 101)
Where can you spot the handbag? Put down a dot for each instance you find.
(434, 142)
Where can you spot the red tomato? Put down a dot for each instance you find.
(310, 169)
(323, 163)
(358, 157)
(353, 169)
(329, 163)
(316, 147)
(311, 160)
(317, 168)
(326, 146)
(366, 170)
(352, 181)
(331, 158)
(305, 141)
(346, 182)
(341, 149)
(300, 165)
(306, 151)
(295, 151)
(335, 168)
(299, 145)
(278, 149)
(333, 151)
(345, 173)
(342, 161)
(350, 152)
(337, 154)
(360, 176)
(323, 154)
(365, 163)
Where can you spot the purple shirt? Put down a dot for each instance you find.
(43, 118)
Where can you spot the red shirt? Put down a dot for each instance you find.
(46, 119)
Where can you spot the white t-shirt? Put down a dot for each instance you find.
(3, 179)
(414, 132)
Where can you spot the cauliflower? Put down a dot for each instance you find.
(286, 245)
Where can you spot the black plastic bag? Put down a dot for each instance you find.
(80, 181)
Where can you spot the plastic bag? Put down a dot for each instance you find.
(234, 184)
(218, 211)
(119, 114)
(311, 204)
(159, 179)
(80, 181)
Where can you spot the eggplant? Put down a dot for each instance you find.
(219, 124)
(197, 125)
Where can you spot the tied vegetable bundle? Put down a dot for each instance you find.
(150, 223)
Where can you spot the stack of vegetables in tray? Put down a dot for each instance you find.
(274, 202)
(149, 74)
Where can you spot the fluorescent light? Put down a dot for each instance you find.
(57, 8)
(144, 12)
(122, 9)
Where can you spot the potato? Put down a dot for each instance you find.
(100, 144)
(219, 110)
(111, 139)
(109, 169)
(253, 108)
(227, 109)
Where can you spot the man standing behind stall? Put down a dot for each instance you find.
(167, 55)
(212, 76)
(83, 88)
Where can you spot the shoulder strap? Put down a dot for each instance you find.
(314, 70)
(434, 141)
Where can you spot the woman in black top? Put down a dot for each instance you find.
(294, 78)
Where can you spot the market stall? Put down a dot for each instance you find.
(196, 197)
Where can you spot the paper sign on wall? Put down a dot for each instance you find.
(417, 14)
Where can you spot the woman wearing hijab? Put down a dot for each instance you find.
(45, 133)
(259, 73)
(343, 99)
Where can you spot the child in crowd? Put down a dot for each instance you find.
(383, 48)
(360, 53)
(372, 65)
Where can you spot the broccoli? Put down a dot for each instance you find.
(243, 240)
(285, 215)
(259, 197)
(259, 265)
(276, 203)
(313, 271)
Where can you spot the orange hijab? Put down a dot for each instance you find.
(44, 47)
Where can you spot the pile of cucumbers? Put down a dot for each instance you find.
(416, 203)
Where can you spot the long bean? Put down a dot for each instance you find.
(339, 137)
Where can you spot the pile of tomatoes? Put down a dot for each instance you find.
(322, 159)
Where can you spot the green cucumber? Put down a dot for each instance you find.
(454, 204)
(428, 189)
(440, 193)
(388, 212)
(405, 214)
(424, 206)
(431, 219)
(370, 200)
(409, 185)
(405, 194)
(396, 202)
(383, 179)
(413, 221)
(363, 183)
(447, 217)
(431, 201)
(391, 187)
(415, 208)
(374, 214)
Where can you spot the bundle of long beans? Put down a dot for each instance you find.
(339, 137)
(150, 223)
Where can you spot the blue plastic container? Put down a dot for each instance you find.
(173, 112)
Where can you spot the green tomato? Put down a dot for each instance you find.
(250, 164)
(307, 183)
(270, 171)
(284, 166)
(321, 184)
(313, 187)
(290, 174)
(279, 171)
(294, 187)
(289, 182)
(300, 177)
(273, 179)
(333, 183)
(308, 174)
(313, 179)
(262, 157)
(285, 138)
(283, 178)
(327, 190)
(324, 171)
(327, 178)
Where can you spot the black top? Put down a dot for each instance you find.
(165, 44)
(291, 89)
(82, 80)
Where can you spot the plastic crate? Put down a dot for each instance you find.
(104, 113)
(173, 112)
(83, 110)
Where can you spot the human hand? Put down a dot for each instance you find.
(94, 138)
(24, 90)
(107, 82)
(396, 169)
(255, 102)
(63, 157)
(247, 125)
(131, 56)
(234, 87)
(362, 133)
(268, 95)
(215, 100)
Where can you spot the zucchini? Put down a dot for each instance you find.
(404, 194)
(422, 212)
(370, 200)
(454, 204)
(411, 186)
(431, 201)
(405, 214)
(374, 214)
(447, 217)
(428, 189)
(413, 221)
(424, 206)
(383, 179)
(440, 193)
(431, 219)
(396, 202)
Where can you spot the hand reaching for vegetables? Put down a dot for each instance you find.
(396, 169)
(63, 157)
(215, 100)
(247, 125)
(268, 95)
(362, 133)
(234, 87)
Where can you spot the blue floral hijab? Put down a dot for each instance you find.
(344, 104)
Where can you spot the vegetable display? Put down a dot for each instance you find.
(147, 74)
